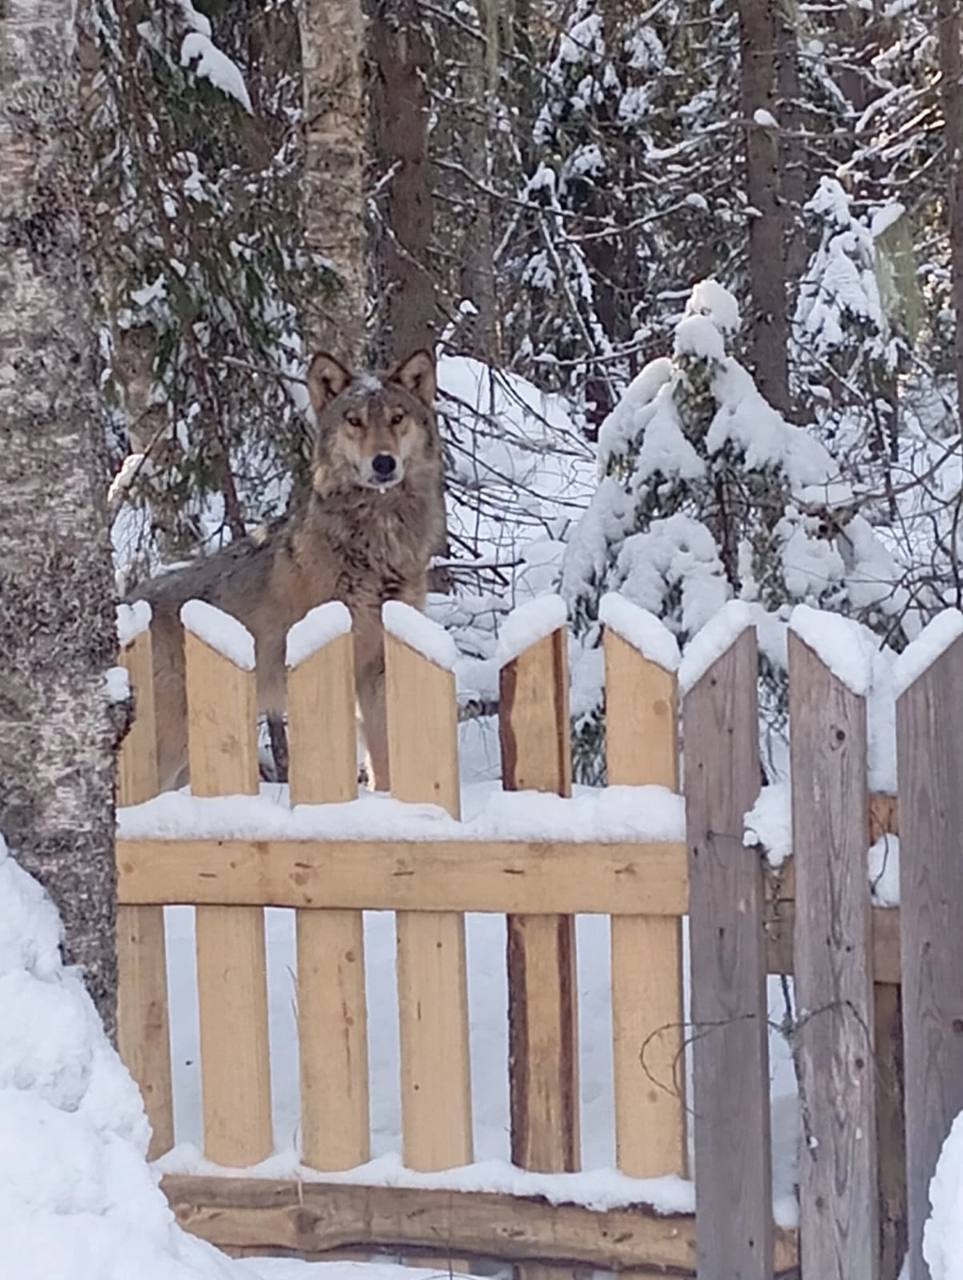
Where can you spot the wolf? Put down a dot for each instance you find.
(372, 520)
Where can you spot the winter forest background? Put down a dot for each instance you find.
(534, 188)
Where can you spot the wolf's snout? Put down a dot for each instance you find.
(383, 465)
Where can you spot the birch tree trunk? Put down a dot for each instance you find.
(57, 637)
(769, 325)
(951, 88)
(332, 49)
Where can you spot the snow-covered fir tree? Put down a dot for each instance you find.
(706, 494)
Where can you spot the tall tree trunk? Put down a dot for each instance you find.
(795, 178)
(769, 325)
(951, 87)
(332, 49)
(57, 637)
(401, 55)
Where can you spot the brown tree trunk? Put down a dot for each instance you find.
(332, 49)
(401, 56)
(795, 179)
(769, 326)
(951, 88)
(58, 730)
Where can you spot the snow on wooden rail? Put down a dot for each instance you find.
(540, 855)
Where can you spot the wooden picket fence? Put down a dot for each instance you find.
(814, 920)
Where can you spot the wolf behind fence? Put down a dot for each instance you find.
(374, 517)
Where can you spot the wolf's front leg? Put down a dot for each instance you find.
(374, 724)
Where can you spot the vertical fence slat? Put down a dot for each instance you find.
(542, 989)
(734, 1228)
(231, 963)
(332, 1008)
(839, 1213)
(432, 968)
(647, 997)
(930, 769)
(143, 1023)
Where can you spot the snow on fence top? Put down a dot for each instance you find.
(600, 815)
(419, 633)
(931, 643)
(840, 643)
(528, 624)
(132, 621)
(706, 646)
(641, 629)
(220, 631)
(316, 629)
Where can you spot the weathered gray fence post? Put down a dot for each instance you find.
(929, 734)
(734, 1231)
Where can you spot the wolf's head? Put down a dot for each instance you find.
(373, 430)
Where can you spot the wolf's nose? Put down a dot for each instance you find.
(383, 465)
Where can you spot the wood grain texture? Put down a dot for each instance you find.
(542, 990)
(312, 1218)
(332, 1005)
(143, 1019)
(432, 965)
(231, 963)
(538, 877)
(930, 768)
(729, 1011)
(641, 727)
(839, 1213)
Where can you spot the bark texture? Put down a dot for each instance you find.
(951, 88)
(58, 731)
(332, 49)
(768, 329)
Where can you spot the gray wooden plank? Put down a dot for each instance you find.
(929, 734)
(838, 1185)
(734, 1230)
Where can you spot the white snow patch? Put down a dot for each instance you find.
(316, 629)
(710, 298)
(698, 336)
(884, 871)
(132, 620)
(528, 624)
(765, 118)
(931, 643)
(420, 633)
(709, 644)
(220, 632)
(118, 684)
(943, 1233)
(599, 814)
(209, 63)
(838, 642)
(768, 824)
(641, 629)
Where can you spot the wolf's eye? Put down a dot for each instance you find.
(352, 420)
(397, 419)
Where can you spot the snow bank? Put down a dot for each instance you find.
(78, 1200)
(316, 629)
(420, 633)
(528, 624)
(943, 1233)
(605, 814)
(132, 621)
(220, 632)
(641, 629)
(708, 645)
(932, 642)
(839, 643)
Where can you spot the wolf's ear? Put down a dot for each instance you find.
(417, 375)
(327, 378)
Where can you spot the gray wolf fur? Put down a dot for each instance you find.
(374, 517)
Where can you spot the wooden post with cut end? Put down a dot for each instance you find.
(231, 963)
(332, 1007)
(930, 765)
(143, 1022)
(432, 970)
(542, 989)
(839, 1222)
(734, 1227)
(647, 994)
